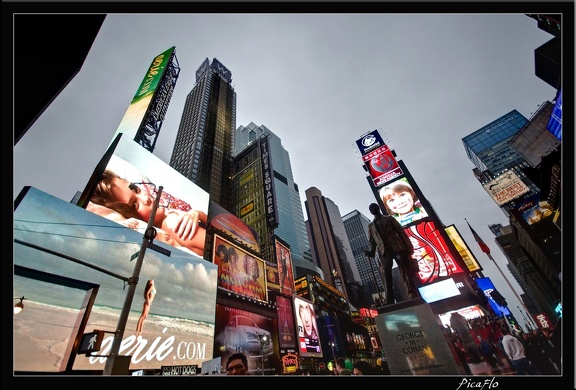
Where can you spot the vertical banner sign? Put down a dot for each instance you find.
(269, 192)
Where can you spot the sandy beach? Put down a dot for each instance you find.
(42, 334)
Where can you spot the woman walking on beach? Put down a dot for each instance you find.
(149, 293)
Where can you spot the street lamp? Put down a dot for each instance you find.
(111, 367)
(263, 340)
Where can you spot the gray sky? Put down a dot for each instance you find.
(319, 82)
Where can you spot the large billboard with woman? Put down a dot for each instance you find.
(308, 335)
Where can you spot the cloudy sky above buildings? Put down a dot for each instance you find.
(319, 82)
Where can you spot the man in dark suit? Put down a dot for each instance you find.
(386, 234)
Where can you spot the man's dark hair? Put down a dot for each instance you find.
(340, 362)
(237, 355)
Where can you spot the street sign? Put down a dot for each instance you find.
(135, 255)
(90, 342)
(159, 249)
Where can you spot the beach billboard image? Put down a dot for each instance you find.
(172, 314)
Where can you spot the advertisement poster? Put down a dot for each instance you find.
(286, 330)
(401, 202)
(126, 189)
(252, 334)
(239, 271)
(308, 336)
(285, 273)
(176, 311)
(431, 252)
(381, 165)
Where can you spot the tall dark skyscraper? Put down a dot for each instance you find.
(204, 146)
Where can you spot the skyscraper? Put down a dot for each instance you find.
(330, 246)
(489, 148)
(356, 225)
(204, 146)
(291, 227)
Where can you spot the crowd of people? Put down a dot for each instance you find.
(535, 352)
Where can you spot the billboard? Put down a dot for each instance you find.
(431, 252)
(268, 178)
(369, 142)
(440, 290)
(285, 273)
(506, 188)
(132, 120)
(253, 334)
(286, 330)
(533, 210)
(57, 237)
(123, 189)
(465, 253)
(401, 202)
(232, 226)
(555, 122)
(486, 285)
(308, 336)
(381, 165)
(239, 271)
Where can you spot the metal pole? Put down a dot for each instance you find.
(110, 367)
(509, 285)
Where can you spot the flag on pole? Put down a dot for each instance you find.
(483, 246)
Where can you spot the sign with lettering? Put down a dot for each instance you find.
(188, 369)
(413, 342)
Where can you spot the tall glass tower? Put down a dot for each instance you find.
(356, 225)
(204, 146)
(489, 149)
(291, 226)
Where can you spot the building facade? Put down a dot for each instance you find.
(204, 145)
(291, 228)
(356, 226)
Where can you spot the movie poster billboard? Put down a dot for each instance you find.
(285, 273)
(381, 165)
(401, 201)
(308, 335)
(239, 271)
(53, 236)
(286, 330)
(232, 226)
(431, 252)
(124, 187)
(252, 334)
(505, 188)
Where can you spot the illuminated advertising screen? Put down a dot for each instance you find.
(465, 253)
(401, 202)
(232, 226)
(308, 336)
(486, 285)
(369, 142)
(381, 165)
(440, 290)
(239, 271)
(285, 273)
(505, 188)
(252, 334)
(431, 252)
(555, 123)
(125, 191)
(286, 330)
(173, 304)
(533, 210)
